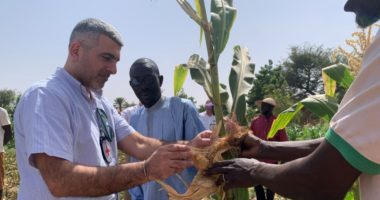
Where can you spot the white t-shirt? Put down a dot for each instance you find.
(207, 121)
(355, 128)
(4, 120)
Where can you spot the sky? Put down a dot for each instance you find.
(34, 36)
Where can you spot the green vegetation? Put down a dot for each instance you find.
(290, 83)
(11, 180)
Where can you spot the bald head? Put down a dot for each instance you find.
(144, 66)
(146, 81)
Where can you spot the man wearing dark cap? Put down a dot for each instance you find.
(165, 118)
(260, 127)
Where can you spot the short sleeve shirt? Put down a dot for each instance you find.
(4, 120)
(57, 117)
(355, 128)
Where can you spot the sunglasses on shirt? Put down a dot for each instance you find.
(106, 135)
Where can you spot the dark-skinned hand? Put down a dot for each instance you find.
(239, 172)
(250, 146)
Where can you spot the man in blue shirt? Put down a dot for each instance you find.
(164, 118)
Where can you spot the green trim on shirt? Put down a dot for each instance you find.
(351, 155)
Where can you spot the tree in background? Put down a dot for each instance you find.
(119, 103)
(128, 104)
(8, 100)
(270, 82)
(303, 67)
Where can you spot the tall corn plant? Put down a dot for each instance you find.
(205, 73)
(216, 33)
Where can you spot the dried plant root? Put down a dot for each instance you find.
(203, 186)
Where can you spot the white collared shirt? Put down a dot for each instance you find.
(56, 116)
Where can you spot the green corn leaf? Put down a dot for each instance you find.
(200, 74)
(199, 13)
(284, 118)
(223, 15)
(180, 74)
(329, 84)
(322, 105)
(224, 98)
(240, 80)
(340, 73)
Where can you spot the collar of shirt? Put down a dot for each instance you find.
(157, 105)
(75, 84)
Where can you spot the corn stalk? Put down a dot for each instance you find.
(216, 33)
(201, 20)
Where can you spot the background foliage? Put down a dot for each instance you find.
(272, 80)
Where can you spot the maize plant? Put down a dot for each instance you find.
(205, 73)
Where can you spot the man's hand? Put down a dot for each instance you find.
(168, 160)
(251, 146)
(203, 139)
(234, 173)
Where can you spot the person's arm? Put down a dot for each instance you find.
(7, 134)
(141, 147)
(65, 178)
(324, 174)
(254, 147)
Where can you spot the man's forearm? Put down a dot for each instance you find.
(286, 151)
(324, 174)
(66, 179)
(139, 146)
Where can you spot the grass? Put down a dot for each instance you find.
(12, 179)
